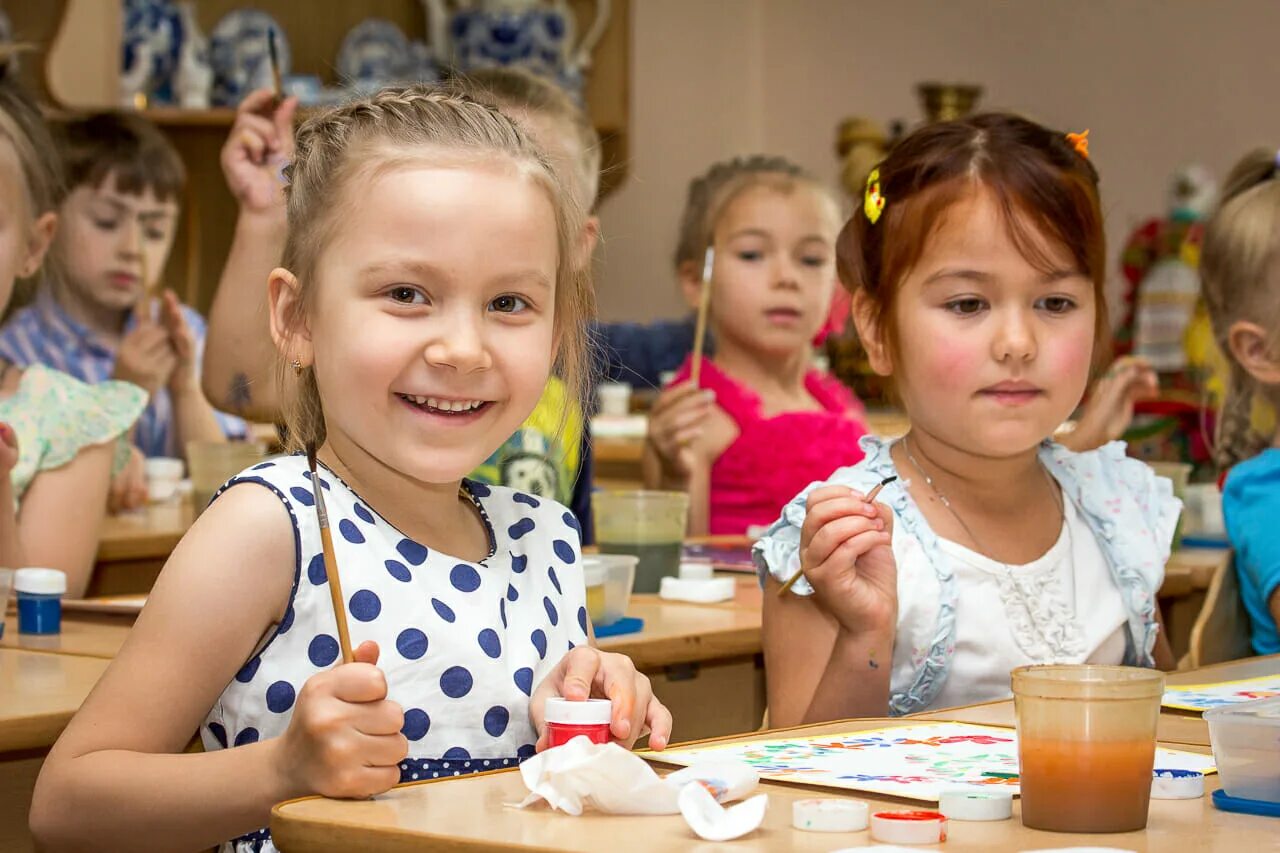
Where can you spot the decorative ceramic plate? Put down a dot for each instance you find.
(374, 50)
(241, 57)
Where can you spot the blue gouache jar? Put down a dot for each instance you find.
(40, 594)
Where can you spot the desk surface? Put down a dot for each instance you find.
(39, 693)
(471, 814)
(89, 636)
(147, 534)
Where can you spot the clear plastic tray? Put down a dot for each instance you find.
(1246, 748)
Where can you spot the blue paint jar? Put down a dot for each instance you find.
(40, 594)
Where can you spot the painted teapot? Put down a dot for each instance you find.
(539, 36)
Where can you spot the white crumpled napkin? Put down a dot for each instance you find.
(613, 780)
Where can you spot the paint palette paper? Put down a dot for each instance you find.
(915, 762)
(1204, 697)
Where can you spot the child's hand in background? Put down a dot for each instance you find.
(344, 739)
(260, 143)
(1109, 409)
(8, 449)
(129, 487)
(847, 556)
(677, 428)
(145, 357)
(183, 343)
(586, 672)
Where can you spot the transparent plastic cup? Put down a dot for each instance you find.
(213, 463)
(1178, 474)
(1086, 745)
(647, 525)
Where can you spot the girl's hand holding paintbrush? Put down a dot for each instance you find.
(259, 145)
(344, 738)
(146, 355)
(679, 430)
(846, 554)
(182, 341)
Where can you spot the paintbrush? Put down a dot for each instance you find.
(274, 55)
(704, 303)
(869, 499)
(330, 561)
(143, 308)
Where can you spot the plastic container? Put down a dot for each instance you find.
(1086, 745)
(6, 587)
(1246, 748)
(163, 476)
(615, 398)
(214, 462)
(608, 578)
(1178, 473)
(567, 719)
(40, 594)
(646, 525)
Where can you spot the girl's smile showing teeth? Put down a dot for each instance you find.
(441, 406)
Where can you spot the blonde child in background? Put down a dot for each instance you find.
(1240, 270)
(976, 263)
(59, 438)
(430, 287)
(762, 422)
(92, 317)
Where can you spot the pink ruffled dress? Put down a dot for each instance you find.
(774, 458)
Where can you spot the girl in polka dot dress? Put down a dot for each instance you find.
(427, 292)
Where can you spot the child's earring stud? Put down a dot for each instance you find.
(297, 367)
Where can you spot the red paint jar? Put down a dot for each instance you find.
(566, 719)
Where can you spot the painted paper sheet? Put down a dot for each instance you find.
(1202, 697)
(916, 762)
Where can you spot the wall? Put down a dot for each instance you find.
(1158, 82)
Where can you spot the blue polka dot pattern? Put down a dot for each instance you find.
(527, 750)
(582, 619)
(521, 527)
(512, 593)
(551, 611)
(264, 466)
(363, 514)
(443, 610)
(413, 552)
(555, 581)
(302, 496)
(564, 551)
(247, 736)
(287, 622)
(365, 605)
(527, 500)
(324, 484)
(524, 680)
(411, 644)
(280, 697)
(323, 650)
(480, 490)
(456, 753)
(315, 570)
(519, 562)
(495, 720)
(246, 673)
(490, 643)
(502, 611)
(399, 570)
(455, 682)
(219, 734)
(464, 578)
(539, 638)
(350, 532)
(416, 724)
(571, 521)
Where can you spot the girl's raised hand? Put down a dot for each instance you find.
(260, 143)
(676, 427)
(587, 672)
(344, 738)
(183, 342)
(847, 556)
(1109, 410)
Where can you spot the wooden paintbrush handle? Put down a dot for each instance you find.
(870, 498)
(335, 595)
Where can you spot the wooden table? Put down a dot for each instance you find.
(470, 814)
(133, 547)
(39, 693)
(1184, 727)
(82, 634)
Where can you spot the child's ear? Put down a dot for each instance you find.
(1249, 346)
(870, 325)
(587, 240)
(38, 242)
(289, 328)
(690, 275)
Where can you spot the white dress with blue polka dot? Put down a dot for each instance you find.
(462, 644)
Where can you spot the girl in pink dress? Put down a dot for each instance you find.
(762, 422)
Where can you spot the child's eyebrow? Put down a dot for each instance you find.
(751, 232)
(967, 274)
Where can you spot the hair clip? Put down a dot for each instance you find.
(1080, 142)
(873, 202)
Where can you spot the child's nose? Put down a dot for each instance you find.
(460, 346)
(1015, 337)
